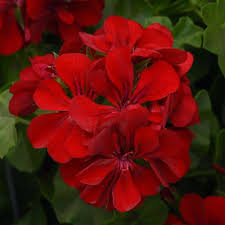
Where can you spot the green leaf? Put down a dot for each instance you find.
(163, 20)
(185, 32)
(8, 135)
(207, 127)
(132, 9)
(34, 216)
(214, 34)
(219, 157)
(221, 61)
(23, 156)
(152, 212)
(69, 208)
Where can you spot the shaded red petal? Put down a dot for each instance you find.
(125, 193)
(76, 143)
(181, 60)
(156, 82)
(73, 46)
(145, 180)
(87, 113)
(28, 74)
(22, 104)
(215, 208)
(184, 113)
(101, 84)
(11, 39)
(42, 128)
(192, 209)
(50, 96)
(72, 69)
(173, 220)
(156, 36)
(69, 172)
(65, 15)
(104, 143)
(146, 141)
(56, 145)
(120, 70)
(68, 32)
(97, 171)
(96, 42)
(36, 9)
(88, 13)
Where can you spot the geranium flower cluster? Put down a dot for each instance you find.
(62, 17)
(117, 123)
(198, 211)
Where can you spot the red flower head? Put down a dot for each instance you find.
(11, 37)
(114, 78)
(61, 16)
(22, 102)
(57, 131)
(197, 211)
(154, 42)
(116, 174)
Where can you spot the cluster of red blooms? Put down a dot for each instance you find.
(119, 123)
(197, 211)
(63, 17)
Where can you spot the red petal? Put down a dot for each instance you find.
(181, 60)
(146, 141)
(116, 31)
(73, 46)
(96, 42)
(135, 32)
(125, 193)
(146, 181)
(88, 13)
(104, 143)
(184, 112)
(156, 82)
(72, 69)
(192, 209)
(56, 145)
(28, 74)
(11, 39)
(156, 36)
(50, 96)
(76, 143)
(36, 9)
(101, 84)
(87, 113)
(69, 172)
(97, 171)
(65, 15)
(120, 70)
(23, 86)
(69, 32)
(22, 104)
(43, 127)
(215, 208)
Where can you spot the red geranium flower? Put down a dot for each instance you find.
(11, 37)
(116, 173)
(61, 16)
(57, 131)
(197, 211)
(113, 77)
(154, 42)
(22, 102)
